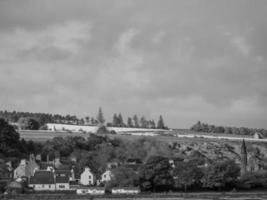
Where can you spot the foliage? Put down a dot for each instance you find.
(27, 123)
(221, 174)
(100, 117)
(253, 180)
(187, 174)
(124, 177)
(155, 175)
(202, 127)
(10, 143)
(102, 130)
(161, 124)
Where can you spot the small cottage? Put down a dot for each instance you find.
(43, 181)
(26, 168)
(63, 178)
(87, 177)
(106, 176)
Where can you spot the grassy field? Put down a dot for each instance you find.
(42, 136)
(170, 196)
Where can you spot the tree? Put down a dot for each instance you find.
(10, 143)
(87, 119)
(155, 174)
(102, 130)
(124, 177)
(161, 123)
(28, 123)
(136, 121)
(100, 116)
(143, 122)
(120, 120)
(130, 122)
(187, 174)
(221, 174)
(115, 120)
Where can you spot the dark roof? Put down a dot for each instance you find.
(62, 176)
(42, 177)
(62, 179)
(63, 172)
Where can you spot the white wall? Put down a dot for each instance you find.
(43, 187)
(87, 177)
(62, 186)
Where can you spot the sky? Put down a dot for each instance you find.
(185, 60)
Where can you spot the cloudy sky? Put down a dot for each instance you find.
(187, 60)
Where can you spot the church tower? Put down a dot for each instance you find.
(244, 159)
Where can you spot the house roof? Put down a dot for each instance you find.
(62, 179)
(62, 176)
(42, 177)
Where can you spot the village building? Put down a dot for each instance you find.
(14, 187)
(26, 168)
(106, 176)
(63, 180)
(87, 177)
(43, 180)
(90, 190)
(125, 190)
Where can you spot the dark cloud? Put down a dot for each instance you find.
(188, 60)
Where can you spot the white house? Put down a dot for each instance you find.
(43, 180)
(26, 168)
(106, 176)
(90, 190)
(87, 177)
(62, 178)
(125, 190)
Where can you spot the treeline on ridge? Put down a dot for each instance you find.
(204, 127)
(35, 121)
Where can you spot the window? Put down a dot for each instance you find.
(89, 176)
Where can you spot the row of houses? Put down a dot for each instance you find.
(51, 176)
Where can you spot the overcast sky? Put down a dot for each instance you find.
(187, 60)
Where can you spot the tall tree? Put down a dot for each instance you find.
(120, 119)
(136, 121)
(87, 119)
(161, 123)
(115, 120)
(10, 144)
(143, 122)
(130, 122)
(100, 116)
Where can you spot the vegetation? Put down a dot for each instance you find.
(34, 121)
(164, 166)
(202, 127)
